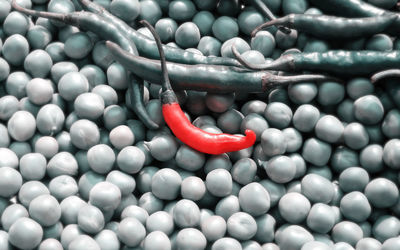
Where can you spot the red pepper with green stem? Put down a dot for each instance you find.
(182, 128)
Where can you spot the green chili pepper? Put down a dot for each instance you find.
(99, 25)
(202, 77)
(148, 47)
(87, 21)
(136, 87)
(332, 27)
(356, 8)
(335, 61)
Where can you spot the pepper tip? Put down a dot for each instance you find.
(250, 137)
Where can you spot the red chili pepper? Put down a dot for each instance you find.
(185, 131)
(201, 140)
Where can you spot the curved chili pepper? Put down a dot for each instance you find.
(357, 8)
(182, 128)
(335, 61)
(332, 27)
(87, 21)
(148, 47)
(98, 25)
(385, 74)
(210, 78)
(136, 88)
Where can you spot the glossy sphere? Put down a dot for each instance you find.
(84, 134)
(90, 219)
(225, 28)
(193, 188)
(330, 93)
(321, 218)
(15, 49)
(10, 183)
(160, 221)
(50, 119)
(187, 35)
(125, 229)
(294, 207)
(213, 228)
(254, 199)
(126, 10)
(368, 110)
(347, 231)
(166, 28)
(25, 233)
(191, 238)
(355, 206)
(157, 240)
(39, 91)
(38, 63)
(219, 182)
(379, 42)
(371, 158)
(241, 226)
(381, 193)
(21, 126)
(317, 188)
(101, 158)
(280, 169)
(166, 183)
(105, 195)
(391, 153)
(89, 106)
(278, 115)
(305, 118)
(204, 20)
(72, 84)
(294, 237)
(329, 129)
(45, 210)
(273, 142)
(186, 214)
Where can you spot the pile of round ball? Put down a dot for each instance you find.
(79, 170)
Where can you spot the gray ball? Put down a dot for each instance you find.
(191, 239)
(186, 213)
(105, 195)
(254, 199)
(90, 219)
(21, 126)
(10, 182)
(213, 228)
(45, 209)
(25, 233)
(241, 226)
(219, 182)
(131, 232)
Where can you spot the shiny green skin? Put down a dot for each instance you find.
(338, 62)
(356, 8)
(228, 79)
(332, 27)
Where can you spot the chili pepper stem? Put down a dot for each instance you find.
(385, 74)
(286, 21)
